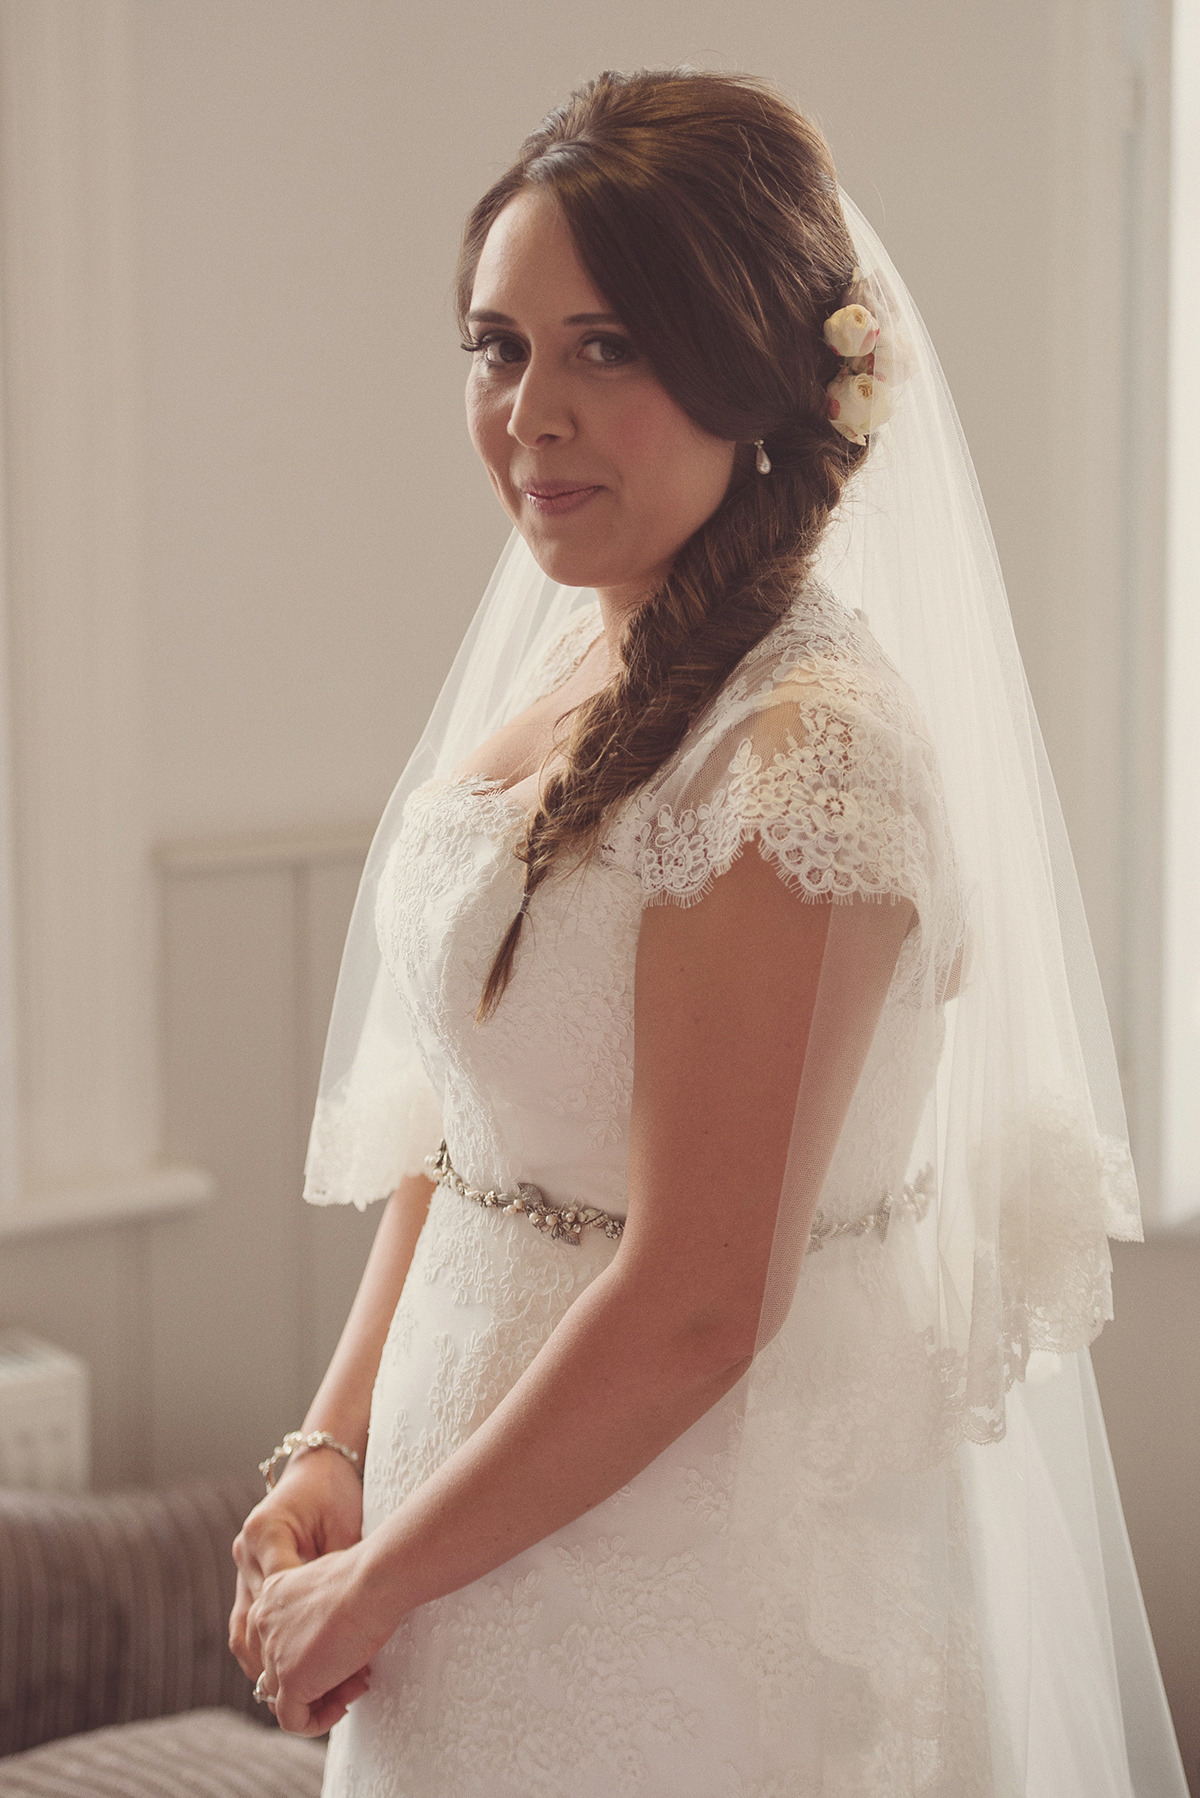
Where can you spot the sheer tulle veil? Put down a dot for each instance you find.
(897, 1358)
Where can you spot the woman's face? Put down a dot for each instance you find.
(601, 472)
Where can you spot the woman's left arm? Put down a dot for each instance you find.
(726, 993)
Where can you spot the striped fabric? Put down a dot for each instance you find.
(202, 1754)
(115, 1607)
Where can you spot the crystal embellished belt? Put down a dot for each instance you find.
(566, 1223)
(561, 1223)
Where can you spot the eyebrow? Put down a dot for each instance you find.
(576, 318)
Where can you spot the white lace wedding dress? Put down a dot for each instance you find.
(640, 1652)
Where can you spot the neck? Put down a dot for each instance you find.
(617, 606)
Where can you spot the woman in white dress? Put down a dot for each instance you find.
(723, 1403)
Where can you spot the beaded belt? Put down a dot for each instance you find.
(566, 1223)
(561, 1223)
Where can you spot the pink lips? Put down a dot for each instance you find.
(557, 497)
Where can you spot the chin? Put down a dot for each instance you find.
(568, 564)
(575, 564)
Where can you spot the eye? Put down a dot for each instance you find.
(608, 351)
(495, 350)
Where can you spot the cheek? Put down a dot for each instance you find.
(643, 433)
(666, 456)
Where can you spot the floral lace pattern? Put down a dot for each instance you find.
(782, 1604)
(815, 750)
(619, 1655)
(833, 836)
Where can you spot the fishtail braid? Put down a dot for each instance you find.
(705, 209)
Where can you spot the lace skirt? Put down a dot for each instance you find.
(895, 1639)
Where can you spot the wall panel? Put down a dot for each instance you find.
(87, 1290)
(207, 1333)
(248, 1294)
(334, 1238)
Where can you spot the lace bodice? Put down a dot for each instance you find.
(814, 749)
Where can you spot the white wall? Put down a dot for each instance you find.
(320, 531)
(318, 535)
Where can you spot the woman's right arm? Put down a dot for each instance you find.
(316, 1505)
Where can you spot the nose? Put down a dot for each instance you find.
(541, 413)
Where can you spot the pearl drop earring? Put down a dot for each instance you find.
(761, 461)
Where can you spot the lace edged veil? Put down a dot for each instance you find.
(955, 1323)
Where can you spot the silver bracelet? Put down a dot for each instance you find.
(297, 1439)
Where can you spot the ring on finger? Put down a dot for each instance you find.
(261, 1695)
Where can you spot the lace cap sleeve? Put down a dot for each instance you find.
(816, 751)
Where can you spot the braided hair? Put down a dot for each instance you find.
(705, 209)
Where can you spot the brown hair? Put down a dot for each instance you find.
(705, 209)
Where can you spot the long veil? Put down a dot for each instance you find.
(920, 1481)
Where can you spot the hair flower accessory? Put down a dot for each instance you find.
(851, 331)
(858, 403)
(862, 395)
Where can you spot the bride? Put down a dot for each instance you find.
(720, 1384)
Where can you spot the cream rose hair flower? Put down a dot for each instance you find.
(858, 404)
(863, 395)
(851, 331)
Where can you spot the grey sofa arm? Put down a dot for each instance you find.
(115, 1607)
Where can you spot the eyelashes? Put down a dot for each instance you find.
(625, 352)
(612, 350)
(479, 346)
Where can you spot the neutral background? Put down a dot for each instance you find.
(315, 535)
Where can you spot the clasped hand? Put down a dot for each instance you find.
(298, 1618)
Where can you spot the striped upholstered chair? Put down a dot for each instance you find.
(115, 1678)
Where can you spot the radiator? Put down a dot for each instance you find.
(44, 1416)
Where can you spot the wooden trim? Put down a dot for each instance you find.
(86, 1032)
(1145, 470)
(1180, 981)
(265, 849)
(1084, 591)
(1109, 304)
(1147, 240)
(9, 1150)
(150, 1193)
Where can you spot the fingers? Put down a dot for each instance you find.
(292, 1714)
(246, 1657)
(333, 1707)
(263, 1546)
(277, 1553)
(316, 1718)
